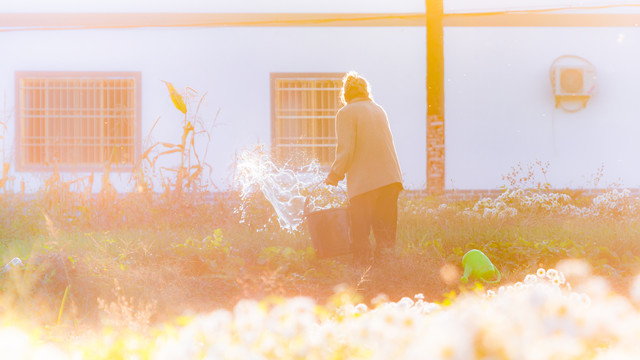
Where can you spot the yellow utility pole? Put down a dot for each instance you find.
(435, 98)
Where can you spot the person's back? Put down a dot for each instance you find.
(374, 163)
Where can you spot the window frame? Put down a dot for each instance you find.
(22, 165)
(274, 76)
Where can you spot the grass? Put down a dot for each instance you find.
(87, 264)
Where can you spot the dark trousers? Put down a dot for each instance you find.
(377, 210)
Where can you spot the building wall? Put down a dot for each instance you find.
(500, 109)
(232, 66)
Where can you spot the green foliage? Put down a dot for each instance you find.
(286, 258)
(211, 255)
(211, 245)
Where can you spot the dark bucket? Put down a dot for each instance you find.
(329, 229)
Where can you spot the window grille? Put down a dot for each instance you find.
(304, 110)
(77, 121)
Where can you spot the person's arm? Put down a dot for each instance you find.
(346, 133)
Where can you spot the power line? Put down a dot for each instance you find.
(545, 10)
(404, 19)
(322, 20)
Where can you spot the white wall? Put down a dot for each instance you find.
(233, 65)
(500, 107)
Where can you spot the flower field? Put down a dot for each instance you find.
(539, 318)
(146, 275)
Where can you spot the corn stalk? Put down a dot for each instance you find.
(189, 173)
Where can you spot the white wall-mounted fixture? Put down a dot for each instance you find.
(573, 80)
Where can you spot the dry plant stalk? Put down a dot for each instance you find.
(189, 172)
(124, 313)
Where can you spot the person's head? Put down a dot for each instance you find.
(354, 86)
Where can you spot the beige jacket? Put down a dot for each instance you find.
(366, 152)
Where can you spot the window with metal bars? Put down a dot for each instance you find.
(304, 108)
(78, 121)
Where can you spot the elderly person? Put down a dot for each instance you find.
(367, 156)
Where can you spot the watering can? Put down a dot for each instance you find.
(477, 264)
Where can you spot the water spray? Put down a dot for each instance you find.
(286, 187)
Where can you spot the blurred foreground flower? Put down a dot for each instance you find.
(539, 318)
